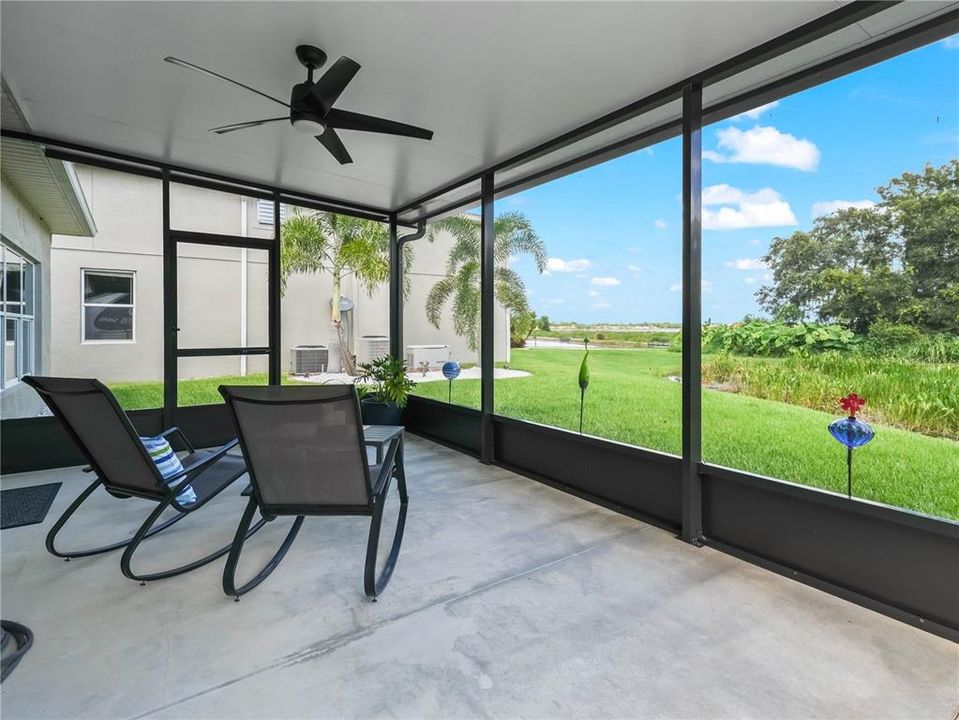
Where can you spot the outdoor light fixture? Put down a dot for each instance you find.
(308, 126)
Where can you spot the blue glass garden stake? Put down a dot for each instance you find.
(451, 371)
(851, 432)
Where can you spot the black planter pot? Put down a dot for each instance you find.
(380, 413)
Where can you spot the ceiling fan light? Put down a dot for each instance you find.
(308, 126)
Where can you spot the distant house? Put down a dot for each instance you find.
(104, 277)
(40, 197)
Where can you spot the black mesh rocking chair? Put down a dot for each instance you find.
(305, 449)
(104, 434)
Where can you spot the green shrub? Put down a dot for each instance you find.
(885, 335)
(911, 395)
(939, 348)
(777, 339)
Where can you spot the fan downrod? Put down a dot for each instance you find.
(310, 57)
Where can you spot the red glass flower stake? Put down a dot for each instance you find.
(851, 432)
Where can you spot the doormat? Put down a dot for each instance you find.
(26, 506)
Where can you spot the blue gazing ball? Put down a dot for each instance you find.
(451, 369)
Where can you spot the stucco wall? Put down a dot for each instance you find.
(26, 233)
(211, 282)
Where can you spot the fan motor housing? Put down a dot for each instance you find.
(302, 116)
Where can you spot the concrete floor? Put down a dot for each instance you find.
(510, 599)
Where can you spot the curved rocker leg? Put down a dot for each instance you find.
(242, 533)
(145, 532)
(69, 554)
(372, 585)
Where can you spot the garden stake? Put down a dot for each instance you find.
(583, 383)
(851, 432)
(451, 371)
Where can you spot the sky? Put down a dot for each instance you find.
(613, 232)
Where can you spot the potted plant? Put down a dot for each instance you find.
(384, 388)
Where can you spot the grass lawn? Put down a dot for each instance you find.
(630, 400)
(201, 391)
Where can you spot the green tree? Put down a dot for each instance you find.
(925, 209)
(514, 235)
(543, 323)
(521, 326)
(342, 245)
(897, 261)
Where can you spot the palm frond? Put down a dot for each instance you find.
(436, 299)
(510, 291)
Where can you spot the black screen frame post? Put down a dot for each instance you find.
(170, 320)
(487, 320)
(274, 288)
(692, 486)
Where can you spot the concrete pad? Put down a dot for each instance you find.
(509, 599)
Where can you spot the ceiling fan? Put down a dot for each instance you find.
(311, 104)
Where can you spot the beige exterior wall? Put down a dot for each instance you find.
(222, 298)
(23, 230)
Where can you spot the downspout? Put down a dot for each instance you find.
(244, 278)
(396, 286)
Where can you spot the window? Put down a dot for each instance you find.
(108, 299)
(588, 286)
(441, 306)
(264, 212)
(17, 293)
(830, 246)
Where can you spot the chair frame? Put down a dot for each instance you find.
(165, 495)
(378, 489)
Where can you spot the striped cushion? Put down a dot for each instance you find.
(168, 464)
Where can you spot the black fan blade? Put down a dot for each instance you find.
(240, 126)
(346, 120)
(191, 66)
(334, 81)
(331, 141)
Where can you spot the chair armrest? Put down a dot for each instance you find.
(185, 476)
(390, 437)
(378, 483)
(182, 435)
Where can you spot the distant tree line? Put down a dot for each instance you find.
(896, 262)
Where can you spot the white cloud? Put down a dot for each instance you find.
(634, 269)
(593, 294)
(554, 301)
(560, 265)
(765, 146)
(747, 264)
(750, 280)
(600, 305)
(831, 206)
(605, 281)
(755, 112)
(660, 224)
(724, 194)
(739, 209)
(951, 42)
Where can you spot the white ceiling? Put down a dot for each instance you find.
(491, 79)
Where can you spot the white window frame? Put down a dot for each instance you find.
(264, 208)
(84, 305)
(24, 357)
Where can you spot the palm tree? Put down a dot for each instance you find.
(342, 245)
(513, 235)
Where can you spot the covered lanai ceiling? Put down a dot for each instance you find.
(491, 79)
